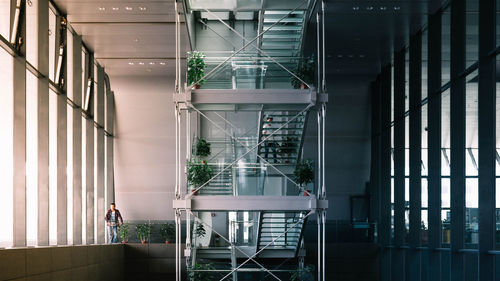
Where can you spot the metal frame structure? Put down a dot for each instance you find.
(188, 100)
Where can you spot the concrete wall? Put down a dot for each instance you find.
(151, 262)
(85, 263)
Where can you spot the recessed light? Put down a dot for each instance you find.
(361, 56)
(339, 56)
(383, 8)
(131, 63)
(142, 8)
(102, 9)
(151, 63)
(397, 8)
(115, 8)
(141, 63)
(136, 40)
(162, 63)
(355, 8)
(369, 8)
(128, 8)
(351, 56)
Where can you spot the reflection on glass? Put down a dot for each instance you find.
(472, 31)
(445, 46)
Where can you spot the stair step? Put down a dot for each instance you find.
(270, 27)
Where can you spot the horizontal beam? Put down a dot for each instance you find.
(251, 203)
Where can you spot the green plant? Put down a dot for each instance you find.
(301, 274)
(202, 275)
(198, 173)
(196, 68)
(200, 230)
(124, 231)
(304, 172)
(305, 71)
(167, 231)
(143, 231)
(202, 148)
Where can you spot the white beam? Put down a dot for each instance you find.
(251, 203)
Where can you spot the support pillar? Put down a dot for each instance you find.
(99, 154)
(62, 181)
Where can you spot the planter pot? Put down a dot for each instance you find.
(305, 193)
(124, 242)
(196, 86)
(195, 193)
(167, 242)
(144, 242)
(303, 86)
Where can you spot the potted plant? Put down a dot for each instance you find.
(196, 69)
(195, 275)
(167, 232)
(143, 231)
(304, 174)
(202, 148)
(200, 230)
(124, 232)
(198, 173)
(302, 274)
(305, 71)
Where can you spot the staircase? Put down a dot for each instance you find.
(284, 38)
(283, 147)
(221, 185)
(273, 224)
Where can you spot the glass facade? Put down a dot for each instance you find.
(47, 111)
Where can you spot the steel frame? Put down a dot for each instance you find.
(186, 203)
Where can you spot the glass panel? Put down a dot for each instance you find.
(498, 137)
(6, 147)
(424, 64)
(84, 181)
(425, 170)
(5, 19)
(407, 79)
(31, 158)
(471, 211)
(471, 134)
(32, 32)
(52, 168)
(52, 44)
(472, 31)
(445, 47)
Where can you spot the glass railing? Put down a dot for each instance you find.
(249, 71)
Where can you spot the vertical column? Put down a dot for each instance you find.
(19, 152)
(43, 124)
(415, 84)
(385, 172)
(399, 165)
(487, 138)
(434, 144)
(99, 153)
(457, 138)
(110, 175)
(375, 152)
(62, 186)
(89, 168)
(75, 94)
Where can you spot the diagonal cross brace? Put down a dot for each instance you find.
(268, 244)
(250, 150)
(246, 146)
(234, 246)
(247, 44)
(257, 48)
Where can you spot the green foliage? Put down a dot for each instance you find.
(202, 275)
(124, 231)
(304, 172)
(302, 274)
(305, 71)
(200, 230)
(196, 67)
(143, 231)
(167, 231)
(198, 173)
(202, 148)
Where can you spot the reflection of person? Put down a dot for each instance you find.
(269, 144)
(113, 219)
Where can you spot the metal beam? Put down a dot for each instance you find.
(251, 203)
(487, 101)
(242, 96)
(434, 144)
(415, 96)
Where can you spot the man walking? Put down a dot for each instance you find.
(113, 220)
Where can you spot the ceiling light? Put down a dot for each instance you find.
(351, 56)
(142, 8)
(355, 8)
(136, 40)
(383, 8)
(102, 9)
(397, 8)
(369, 8)
(115, 8)
(141, 63)
(162, 63)
(128, 8)
(339, 56)
(361, 56)
(131, 63)
(151, 63)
